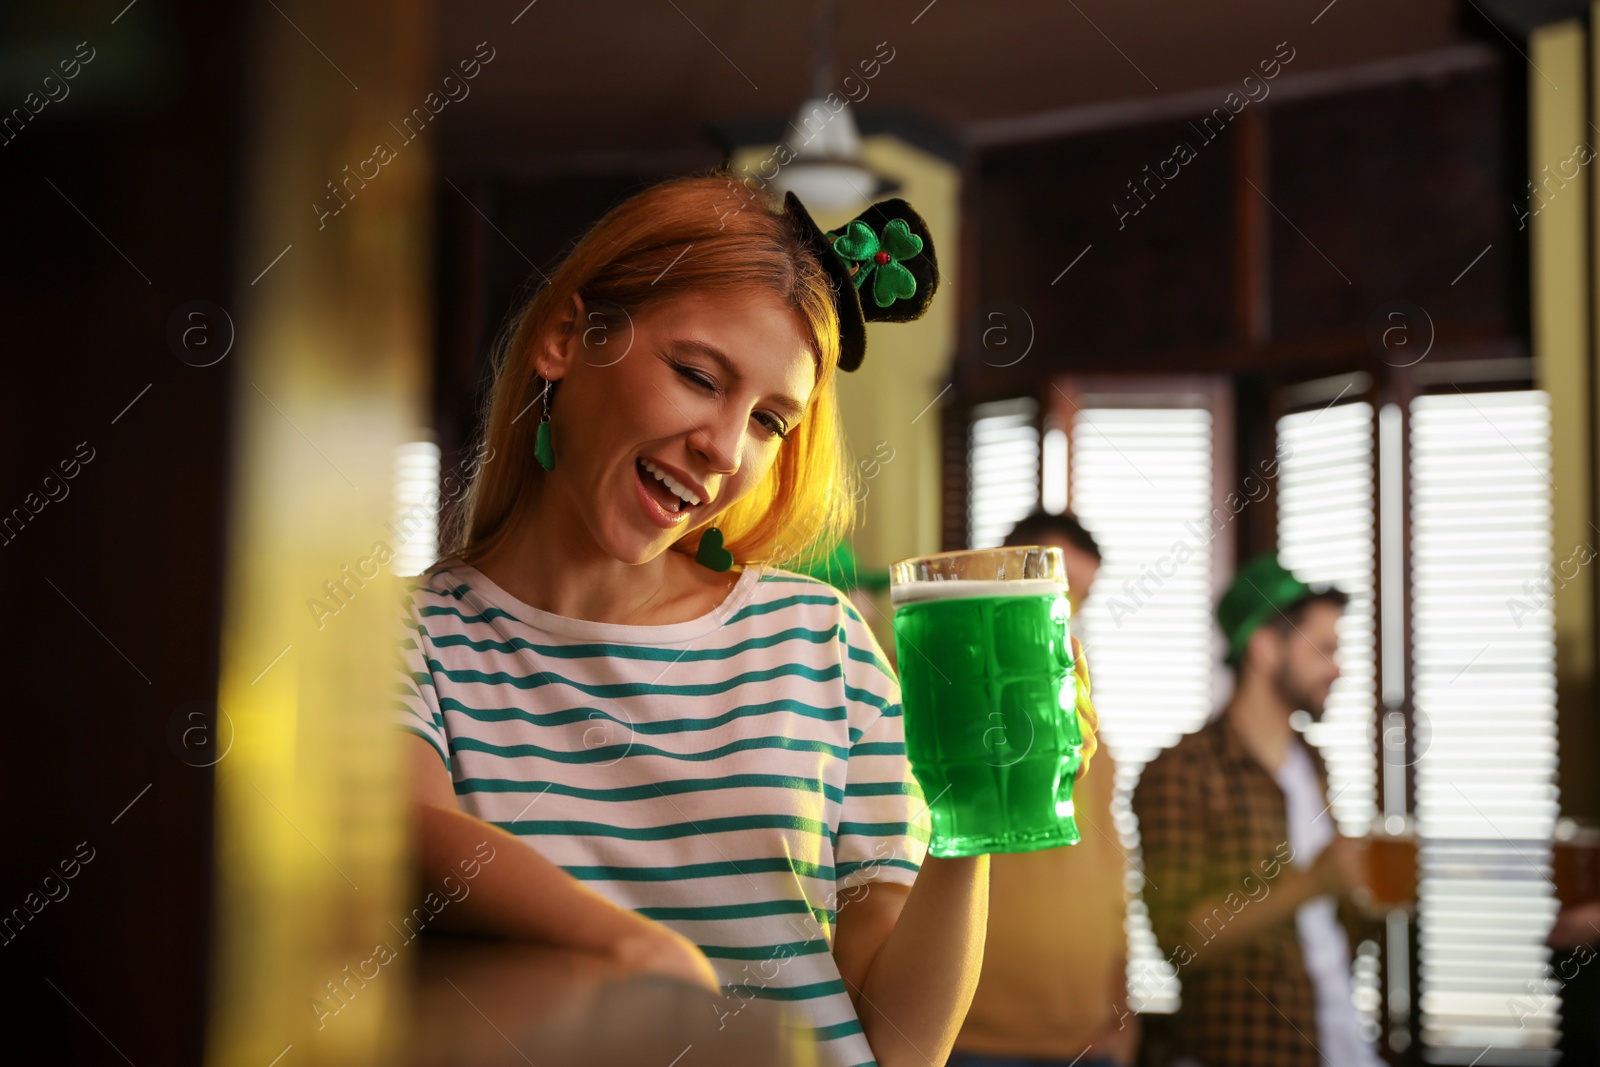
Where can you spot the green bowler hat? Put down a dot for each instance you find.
(1261, 588)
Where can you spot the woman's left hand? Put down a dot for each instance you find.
(1088, 718)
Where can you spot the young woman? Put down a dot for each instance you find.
(683, 756)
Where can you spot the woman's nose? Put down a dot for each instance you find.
(719, 444)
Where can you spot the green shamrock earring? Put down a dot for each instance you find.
(711, 553)
(881, 257)
(542, 450)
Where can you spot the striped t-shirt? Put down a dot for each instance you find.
(734, 777)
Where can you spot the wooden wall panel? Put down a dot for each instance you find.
(1153, 276)
(1390, 194)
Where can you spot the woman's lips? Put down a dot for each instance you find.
(651, 494)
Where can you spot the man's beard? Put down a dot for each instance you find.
(1296, 697)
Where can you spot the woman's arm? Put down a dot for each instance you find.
(910, 957)
(518, 893)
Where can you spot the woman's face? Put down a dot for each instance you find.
(706, 389)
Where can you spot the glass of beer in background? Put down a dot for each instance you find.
(1575, 862)
(1391, 865)
(989, 696)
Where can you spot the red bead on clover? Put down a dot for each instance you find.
(881, 258)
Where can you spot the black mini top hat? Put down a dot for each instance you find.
(882, 265)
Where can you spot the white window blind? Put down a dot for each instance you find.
(416, 507)
(1053, 477)
(1141, 482)
(1326, 527)
(1002, 468)
(1326, 521)
(1484, 655)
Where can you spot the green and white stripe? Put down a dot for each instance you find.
(730, 776)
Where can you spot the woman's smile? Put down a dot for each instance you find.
(667, 504)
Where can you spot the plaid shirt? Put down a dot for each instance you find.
(1213, 826)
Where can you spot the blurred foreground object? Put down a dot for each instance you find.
(485, 1003)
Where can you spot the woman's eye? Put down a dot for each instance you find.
(693, 376)
(772, 424)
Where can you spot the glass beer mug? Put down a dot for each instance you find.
(989, 696)
(1391, 866)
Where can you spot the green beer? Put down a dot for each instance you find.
(989, 697)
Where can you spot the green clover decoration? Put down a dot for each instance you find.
(883, 258)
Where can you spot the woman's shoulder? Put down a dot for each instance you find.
(780, 576)
(788, 591)
(833, 606)
(795, 590)
(438, 588)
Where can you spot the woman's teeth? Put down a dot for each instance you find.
(681, 496)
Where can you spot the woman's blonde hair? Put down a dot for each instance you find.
(719, 236)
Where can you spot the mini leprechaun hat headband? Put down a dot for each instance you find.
(882, 265)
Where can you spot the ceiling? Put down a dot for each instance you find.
(651, 78)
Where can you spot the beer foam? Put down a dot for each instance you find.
(917, 592)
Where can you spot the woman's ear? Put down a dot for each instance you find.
(562, 341)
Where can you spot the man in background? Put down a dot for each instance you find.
(1244, 866)
(1053, 990)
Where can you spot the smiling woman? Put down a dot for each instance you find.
(694, 757)
(680, 291)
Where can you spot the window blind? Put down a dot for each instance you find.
(1326, 527)
(1483, 643)
(415, 528)
(1003, 468)
(1326, 522)
(1141, 482)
